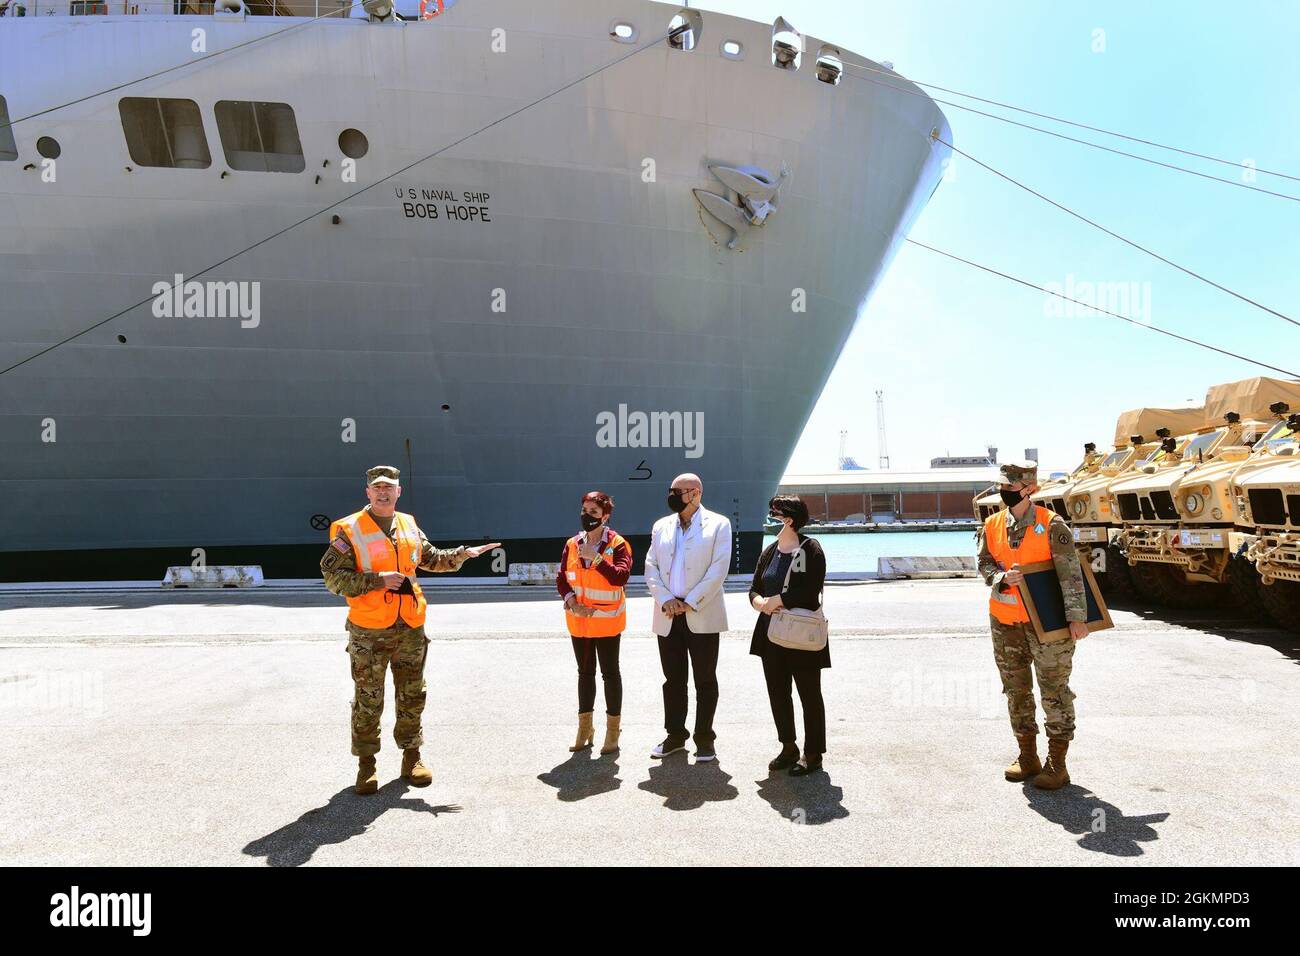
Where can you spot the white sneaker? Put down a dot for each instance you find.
(669, 746)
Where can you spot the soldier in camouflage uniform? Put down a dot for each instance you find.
(401, 645)
(1016, 646)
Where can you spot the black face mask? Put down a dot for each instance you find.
(676, 503)
(589, 522)
(1011, 498)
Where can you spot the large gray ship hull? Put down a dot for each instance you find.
(477, 354)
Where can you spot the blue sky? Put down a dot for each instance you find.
(1216, 78)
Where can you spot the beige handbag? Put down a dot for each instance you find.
(797, 628)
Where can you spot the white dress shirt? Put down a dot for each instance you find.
(677, 582)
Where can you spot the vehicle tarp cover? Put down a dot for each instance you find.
(1250, 398)
(1145, 421)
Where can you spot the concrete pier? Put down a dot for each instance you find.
(153, 727)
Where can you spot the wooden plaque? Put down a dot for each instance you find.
(1041, 592)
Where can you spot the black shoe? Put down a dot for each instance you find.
(705, 753)
(806, 766)
(787, 758)
(671, 745)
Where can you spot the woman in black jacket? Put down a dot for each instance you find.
(781, 664)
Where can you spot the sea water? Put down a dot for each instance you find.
(859, 552)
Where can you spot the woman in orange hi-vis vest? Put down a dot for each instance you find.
(594, 568)
(1022, 534)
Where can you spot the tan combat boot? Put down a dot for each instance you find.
(611, 735)
(585, 733)
(1054, 775)
(414, 770)
(1026, 765)
(367, 779)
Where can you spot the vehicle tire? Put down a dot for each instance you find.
(1151, 583)
(1281, 600)
(1244, 583)
(1197, 595)
(1116, 582)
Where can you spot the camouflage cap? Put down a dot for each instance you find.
(1013, 471)
(383, 474)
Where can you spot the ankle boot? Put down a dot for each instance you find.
(367, 779)
(1054, 775)
(585, 733)
(414, 770)
(1027, 764)
(611, 734)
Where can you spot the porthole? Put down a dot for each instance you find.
(622, 31)
(49, 147)
(684, 29)
(787, 45)
(829, 65)
(353, 143)
(732, 49)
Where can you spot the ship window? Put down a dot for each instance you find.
(684, 30)
(49, 147)
(622, 31)
(87, 8)
(166, 133)
(260, 137)
(733, 50)
(353, 143)
(8, 148)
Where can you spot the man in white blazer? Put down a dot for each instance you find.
(685, 568)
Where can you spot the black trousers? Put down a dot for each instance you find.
(809, 683)
(681, 651)
(587, 651)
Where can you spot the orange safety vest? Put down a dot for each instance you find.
(1035, 546)
(594, 591)
(374, 551)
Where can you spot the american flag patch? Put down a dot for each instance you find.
(341, 545)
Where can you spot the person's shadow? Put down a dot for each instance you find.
(1104, 827)
(347, 814)
(810, 799)
(687, 786)
(580, 776)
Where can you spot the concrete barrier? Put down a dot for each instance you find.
(942, 567)
(214, 576)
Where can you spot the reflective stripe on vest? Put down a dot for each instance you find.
(380, 608)
(608, 605)
(1035, 546)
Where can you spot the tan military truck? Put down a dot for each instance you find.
(1143, 502)
(1266, 497)
(1049, 495)
(1204, 496)
(1052, 491)
(986, 503)
(1088, 503)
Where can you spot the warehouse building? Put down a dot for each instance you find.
(884, 496)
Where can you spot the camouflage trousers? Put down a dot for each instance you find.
(372, 653)
(1016, 648)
